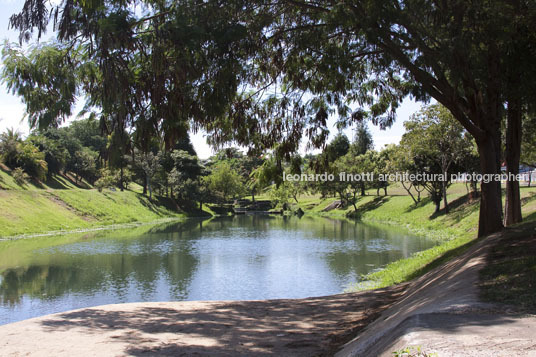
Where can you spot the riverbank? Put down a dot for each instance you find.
(297, 327)
(448, 311)
(441, 312)
(454, 232)
(60, 205)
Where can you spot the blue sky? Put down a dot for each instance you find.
(12, 110)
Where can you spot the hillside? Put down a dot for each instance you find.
(60, 204)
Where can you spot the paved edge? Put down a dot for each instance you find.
(450, 288)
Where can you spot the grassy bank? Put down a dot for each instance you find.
(60, 205)
(454, 231)
(510, 274)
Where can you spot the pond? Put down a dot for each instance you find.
(230, 258)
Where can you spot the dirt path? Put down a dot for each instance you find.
(302, 327)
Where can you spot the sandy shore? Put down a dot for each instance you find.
(290, 327)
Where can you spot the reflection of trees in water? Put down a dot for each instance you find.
(87, 274)
(168, 252)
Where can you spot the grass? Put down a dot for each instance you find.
(60, 204)
(510, 273)
(26, 212)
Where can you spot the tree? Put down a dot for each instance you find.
(186, 175)
(82, 164)
(56, 156)
(45, 80)
(9, 147)
(224, 182)
(434, 135)
(150, 164)
(402, 162)
(118, 147)
(17, 153)
(362, 140)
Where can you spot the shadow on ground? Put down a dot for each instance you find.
(305, 327)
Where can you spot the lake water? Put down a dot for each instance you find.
(231, 258)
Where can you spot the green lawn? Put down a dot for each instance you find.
(61, 205)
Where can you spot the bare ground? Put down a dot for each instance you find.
(293, 327)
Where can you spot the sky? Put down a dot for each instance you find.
(12, 109)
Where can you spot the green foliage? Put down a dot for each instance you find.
(56, 156)
(106, 180)
(45, 79)
(20, 176)
(185, 175)
(433, 143)
(283, 194)
(17, 153)
(225, 182)
(82, 163)
(362, 140)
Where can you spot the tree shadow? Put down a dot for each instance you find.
(423, 202)
(509, 273)
(459, 208)
(531, 197)
(158, 206)
(54, 183)
(369, 206)
(303, 327)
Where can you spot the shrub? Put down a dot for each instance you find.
(20, 176)
(107, 179)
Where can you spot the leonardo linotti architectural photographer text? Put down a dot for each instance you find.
(401, 177)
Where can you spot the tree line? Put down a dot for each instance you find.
(433, 144)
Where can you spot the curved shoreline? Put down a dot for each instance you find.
(95, 229)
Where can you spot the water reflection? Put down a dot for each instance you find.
(241, 257)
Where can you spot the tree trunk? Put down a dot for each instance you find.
(512, 208)
(385, 190)
(408, 190)
(362, 189)
(490, 219)
(148, 180)
(444, 190)
(121, 179)
(437, 205)
(145, 185)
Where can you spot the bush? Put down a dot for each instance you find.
(32, 161)
(22, 154)
(107, 179)
(20, 176)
